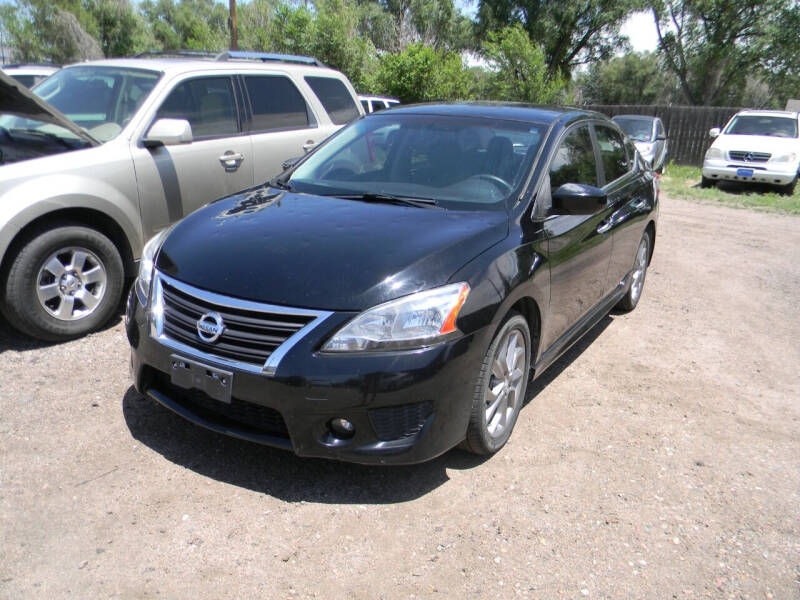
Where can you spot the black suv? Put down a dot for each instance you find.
(392, 293)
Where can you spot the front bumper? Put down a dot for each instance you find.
(407, 407)
(766, 172)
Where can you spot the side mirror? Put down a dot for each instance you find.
(290, 162)
(169, 132)
(661, 138)
(577, 199)
(714, 132)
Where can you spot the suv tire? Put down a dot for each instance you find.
(64, 282)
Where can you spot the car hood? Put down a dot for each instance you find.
(19, 101)
(323, 252)
(757, 143)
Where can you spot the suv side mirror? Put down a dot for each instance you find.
(577, 199)
(169, 132)
(714, 132)
(290, 162)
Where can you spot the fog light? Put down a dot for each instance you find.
(342, 428)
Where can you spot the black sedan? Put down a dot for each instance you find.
(392, 294)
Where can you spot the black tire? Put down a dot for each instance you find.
(705, 182)
(479, 440)
(633, 295)
(21, 304)
(788, 189)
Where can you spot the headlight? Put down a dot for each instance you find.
(714, 153)
(787, 158)
(145, 277)
(415, 321)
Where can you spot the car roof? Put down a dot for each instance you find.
(30, 69)
(369, 97)
(769, 113)
(174, 65)
(636, 117)
(509, 111)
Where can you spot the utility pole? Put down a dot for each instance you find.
(234, 33)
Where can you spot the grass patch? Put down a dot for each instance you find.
(683, 182)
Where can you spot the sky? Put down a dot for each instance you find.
(641, 31)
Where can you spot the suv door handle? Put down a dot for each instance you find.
(309, 145)
(231, 160)
(640, 204)
(605, 225)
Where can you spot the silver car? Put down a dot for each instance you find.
(649, 137)
(102, 155)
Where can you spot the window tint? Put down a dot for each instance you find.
(26, 80)
(574, 160)
(207, 103)
(612, 153)
(276, 103)
(335, 98)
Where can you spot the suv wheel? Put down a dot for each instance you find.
(65, 281)
(788, 189)
(705, 182)
(500, 389)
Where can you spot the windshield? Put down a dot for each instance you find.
(460, 163)
(640, 130)
(769, 125)
(100, 99)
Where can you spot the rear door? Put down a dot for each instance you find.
(280, 121)
(629, 190)
(579, 248)
(175, 180)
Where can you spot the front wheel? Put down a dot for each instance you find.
(788, 189)
(64, 282)
(631, 297)
(500, 388)
(705, 182)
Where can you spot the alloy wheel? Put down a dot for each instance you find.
(71, 283)
(503, 394)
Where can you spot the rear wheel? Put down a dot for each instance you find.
(64, 282)
(631, 297)
(500, 388)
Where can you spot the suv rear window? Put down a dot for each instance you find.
(276, 103)
(335, 98)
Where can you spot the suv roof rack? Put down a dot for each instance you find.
(269, 56)
(233, 55)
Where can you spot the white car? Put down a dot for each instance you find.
(29, 75)
(375, 103)
(756, 146)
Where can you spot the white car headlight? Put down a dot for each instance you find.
(785, 158)
(714, 153)
(145, 277)
(414, 321)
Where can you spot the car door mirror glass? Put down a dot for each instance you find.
(169, 132)
(714, 132)
(577, 199)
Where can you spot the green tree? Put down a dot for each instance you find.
(188, 24)
(422, 74)
(635, 78)
(571, 32)
(712, 46)
(519, 72)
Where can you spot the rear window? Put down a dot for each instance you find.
(276, 103)
(335, 98)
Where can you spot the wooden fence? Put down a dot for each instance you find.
(687, 126)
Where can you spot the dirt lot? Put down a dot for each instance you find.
(660, 458)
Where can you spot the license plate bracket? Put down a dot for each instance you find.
(744, 172)
(189, 374)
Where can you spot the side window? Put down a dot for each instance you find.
(660, 129)
(574, 160)
(612, 153)
(207, 103)
(365, 104)
(276, 103)
(335, 98)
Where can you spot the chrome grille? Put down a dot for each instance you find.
(745, 156)
(254, 337)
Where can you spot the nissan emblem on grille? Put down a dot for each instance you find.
(210, 326)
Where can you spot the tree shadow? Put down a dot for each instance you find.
(283, 475)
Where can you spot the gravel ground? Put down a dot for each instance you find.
(660, 458)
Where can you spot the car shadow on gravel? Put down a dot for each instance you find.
(285, 476)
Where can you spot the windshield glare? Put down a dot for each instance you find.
(461, 163)
(101, 100)
(772, 126)
(640, 130)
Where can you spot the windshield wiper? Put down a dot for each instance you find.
(279, 183)
(417, 201)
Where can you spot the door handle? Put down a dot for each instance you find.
(309, 145)
(231, 160)
(604, 226)
(640, 204)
